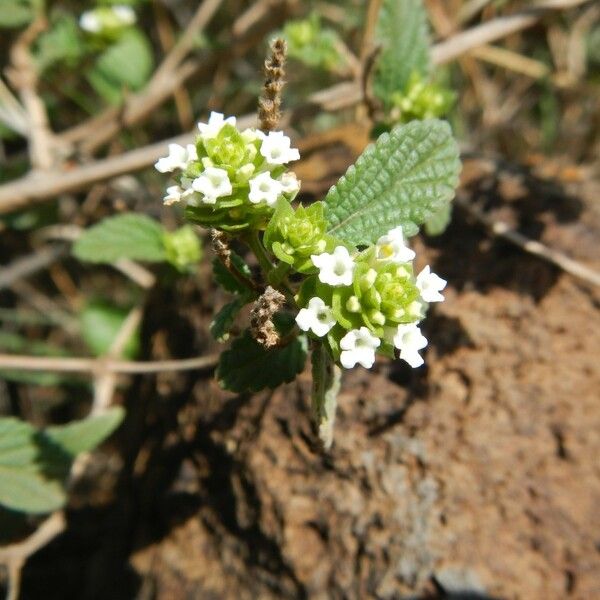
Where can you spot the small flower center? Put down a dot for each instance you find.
(339, 268)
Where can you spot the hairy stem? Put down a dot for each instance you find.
(327, 377)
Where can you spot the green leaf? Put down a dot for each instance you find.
(100, 324)
(249, 367)
(62, 43)
(439, 221)
(15, 13)
(24, 486)
(224, 319)
(128, 62)
(402, 179)
(224, 277)
(403, 33)
(130, 235)
(34, 464)
(83, 436)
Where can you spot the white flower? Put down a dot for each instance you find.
(178, 158)
(392, 248)
(335, 269)
(173, 195)
(124, 13)
(264, 188)
(276, 148)
(430, 285)
(215, 124)
(251, 135)
(317, 317)
(89, 21)
(409, 340)
(212, 184)
(94, 21)
(289, 183)
(358, 346)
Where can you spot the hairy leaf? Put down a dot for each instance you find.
(403, 33)
(130, 235)
(224, 277)
(439, 221)
(100, 324)
(24, 486)
(402, 179)
(34, 464)
(249, 367)
(83, 436)
(224, 319)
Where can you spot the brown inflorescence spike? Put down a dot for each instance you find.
(262, 327)
(269, 104)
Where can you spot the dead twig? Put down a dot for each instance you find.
(102, 365)
(534, 247)
(15, 555)
(30, 264)
(24, 77)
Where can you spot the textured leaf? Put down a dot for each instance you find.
(402, 179)
(248, 367)
(403, 33)
(226, 280)
(439, 221)
(224, 319)
(83, 436)
(23, 485)
(133, 236)
(100, 323)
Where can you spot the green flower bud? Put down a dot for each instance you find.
(228, 149)
(182, 247)
(421, 100)
(293, 236)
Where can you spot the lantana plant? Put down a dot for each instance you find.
(336, 276)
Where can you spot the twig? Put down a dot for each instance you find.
(502, 230)
(28, 265)
(12, 114)
(15, 555)
(102, 365)
(498, 28)
(24, 77)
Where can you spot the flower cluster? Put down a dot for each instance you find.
(295, 236)
(107, 19)
(421, 100)
(370, 301)
(230, 180)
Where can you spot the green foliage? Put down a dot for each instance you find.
(62, 43)
(130, 235)
(439, 220)
(224, 277)
(223, 322)
(312, 44)
(83, 436)
(249, 367)
(34, 464)
(126, 64)
(100, 323)
(421, 100)
(403, 34)
(16, 13)
(182, 247)
(402, 179)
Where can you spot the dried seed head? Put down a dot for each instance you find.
(221, 246)
(262, 327)
(269, 105)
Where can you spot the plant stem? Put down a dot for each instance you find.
(327, 377)
(278, 274)
(259, 250)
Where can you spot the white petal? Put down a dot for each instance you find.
(304, 319)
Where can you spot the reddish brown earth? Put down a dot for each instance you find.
(477, 476)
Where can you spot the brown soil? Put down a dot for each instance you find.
(477, 476)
